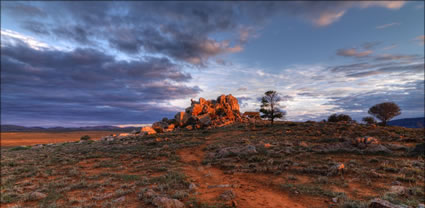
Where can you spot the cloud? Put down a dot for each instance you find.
(328, 18)
(12, 37)
(389, 57)
(325, 13)
(380, 27)
(390, 47)
(87, 85)
(352, 52)
(420, 39)
(370, 45)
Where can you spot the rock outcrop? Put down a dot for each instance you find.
(201, 114)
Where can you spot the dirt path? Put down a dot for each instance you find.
(211, 182)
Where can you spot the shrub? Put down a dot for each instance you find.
(339, 117)
(369, 120)
(85, 138)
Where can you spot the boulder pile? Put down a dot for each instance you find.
(201, 114)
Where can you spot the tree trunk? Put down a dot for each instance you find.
(272, 121)
(384, 123)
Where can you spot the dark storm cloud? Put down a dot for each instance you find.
(20, 9)
(36, 27)
(75, 33)
(86, 84)
(179, 30)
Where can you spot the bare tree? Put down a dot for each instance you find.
(270, 107)
(385, 111)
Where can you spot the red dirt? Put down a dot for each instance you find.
(251, 190)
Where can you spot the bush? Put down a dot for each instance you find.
(339, 117)
(85, 138)
(369, 120)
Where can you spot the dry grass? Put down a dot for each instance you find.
(286, 173)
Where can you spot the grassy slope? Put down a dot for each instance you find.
(96, 174)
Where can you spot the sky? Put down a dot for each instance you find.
(124, 63)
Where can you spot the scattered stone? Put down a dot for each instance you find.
(164, 202)
(380, 203)
(365, 140)
(335, 200)
(359, 145)
(398, 189)
(336, 169)
(219, 186)
(119, 200)
(234, 151)
(192, 187)
(421, 206)
(37, 195)
(227, 195)
(377, 148)
(37, 146)
(189, 128)
(147, 194)
(107, 138)
(303, 144)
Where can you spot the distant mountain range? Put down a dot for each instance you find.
(15, 128)
(408, 122)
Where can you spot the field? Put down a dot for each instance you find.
(31, 138)
(288, 165)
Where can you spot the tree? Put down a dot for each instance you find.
(385, 111)
(369, 120)
(339, 117)
(270, 107)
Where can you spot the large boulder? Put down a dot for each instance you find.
(181, 118)
(160, 126)
(205, 119)
(147, 130)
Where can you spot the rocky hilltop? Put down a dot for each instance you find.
(201, 114)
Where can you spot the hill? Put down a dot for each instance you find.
(291, 164)
(408, 122)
